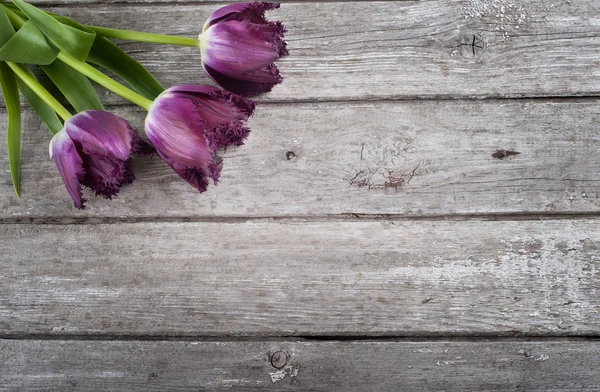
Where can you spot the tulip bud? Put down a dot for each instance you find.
(239, 48)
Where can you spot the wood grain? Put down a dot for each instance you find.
(312, 366)
(284, 278)
(414, 158)
(391, 50)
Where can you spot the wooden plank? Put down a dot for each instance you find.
(345, 159)
(283, 278)
(311, 366)
(395, 49)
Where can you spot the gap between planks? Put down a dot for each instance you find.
(446, 338)
(352, 217)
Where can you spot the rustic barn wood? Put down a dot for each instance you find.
(280, 278)
(405, 49)
(414, 158)
(130, 366)
(417, 208)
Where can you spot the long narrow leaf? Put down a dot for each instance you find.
(6, 29)
(70, 39)
(43, 110)
(75, 86)
(10, 91)
(110, 56)
(29, 45)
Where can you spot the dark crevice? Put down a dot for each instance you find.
(433, 337)
(494, 217)
(399, 99)
(167, 3)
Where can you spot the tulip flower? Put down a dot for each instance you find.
(188, 124)
(94, 149)
(239, 47)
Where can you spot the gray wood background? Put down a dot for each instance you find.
(321, 272)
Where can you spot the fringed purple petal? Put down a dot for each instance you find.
(106, 176)
(225, 135)
(196, 176)
(249, 85)
(70, 166)
(253, 12)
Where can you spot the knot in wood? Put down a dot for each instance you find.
(279, 359)
(471, 45)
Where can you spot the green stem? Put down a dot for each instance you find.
(102, 79)
(37, 88)
(141, 36)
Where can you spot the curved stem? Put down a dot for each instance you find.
(141, 36)
(106, 81)
(41, 92)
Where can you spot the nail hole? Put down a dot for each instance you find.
(290, 155)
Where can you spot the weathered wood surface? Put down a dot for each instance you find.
(372, 50)
(346, 157)
(282, 278)
(161, 261)
(62, 366)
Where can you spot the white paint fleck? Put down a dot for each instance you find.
(280, 374)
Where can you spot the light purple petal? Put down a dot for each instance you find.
(70, 165)
(187, 124)
(102, 133)
(215, 106)
(176, 130)
(253, 12)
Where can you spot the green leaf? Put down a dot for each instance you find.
(6, 28)
(75, 86)
(72, 40)
(43, 110)
(10, 91)
(108, 55)
(28, 46)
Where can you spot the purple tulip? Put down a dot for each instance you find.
(94, 149)
(187, 124)
(239, 47)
